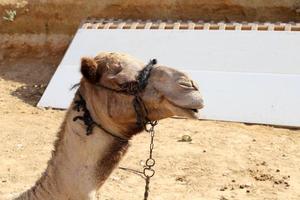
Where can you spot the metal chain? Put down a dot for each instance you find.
(150, 162)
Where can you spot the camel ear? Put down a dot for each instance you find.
(89, 69)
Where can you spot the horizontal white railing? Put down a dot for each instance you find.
(187, 25)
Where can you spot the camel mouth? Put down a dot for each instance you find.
(186, 111)
(191, 113)
(195, 110)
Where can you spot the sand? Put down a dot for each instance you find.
(223, 161)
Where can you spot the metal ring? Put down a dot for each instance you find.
(148, 172)
(148, 128)
(150, 162)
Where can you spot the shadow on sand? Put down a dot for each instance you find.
(31, 75)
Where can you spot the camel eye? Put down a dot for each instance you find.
(117, 69)
(185, 83)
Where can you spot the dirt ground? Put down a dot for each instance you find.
(224, 160)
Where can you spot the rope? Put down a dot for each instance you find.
(88, 121)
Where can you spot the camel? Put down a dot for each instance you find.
(102, 119)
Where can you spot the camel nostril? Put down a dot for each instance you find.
(185, 83)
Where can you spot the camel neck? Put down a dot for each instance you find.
(80, 163)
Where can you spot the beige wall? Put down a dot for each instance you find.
(46, 26)
(63, 16)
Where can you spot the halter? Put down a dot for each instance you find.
(130, 88)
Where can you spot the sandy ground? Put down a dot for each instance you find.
(224, 160)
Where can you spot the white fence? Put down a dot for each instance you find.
(247, 76)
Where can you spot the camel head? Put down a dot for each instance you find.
(169, 92)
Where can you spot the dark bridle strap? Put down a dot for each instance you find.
(145, 74)
(138, 104)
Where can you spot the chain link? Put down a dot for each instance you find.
(150, 162)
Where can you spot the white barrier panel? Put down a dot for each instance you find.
(245, 76)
